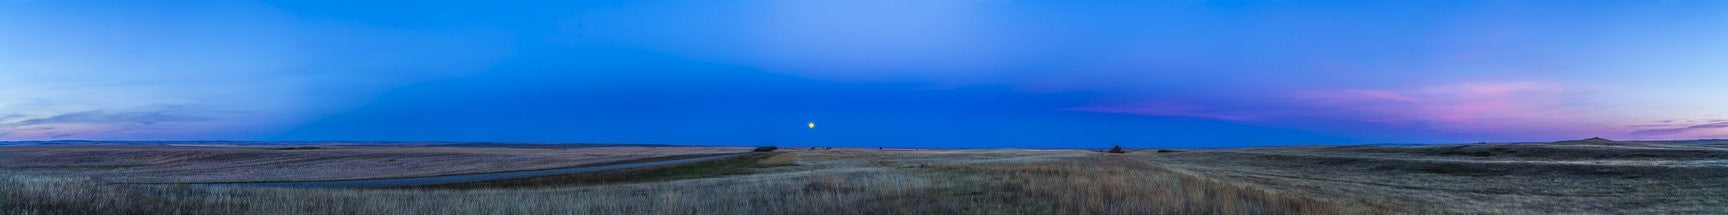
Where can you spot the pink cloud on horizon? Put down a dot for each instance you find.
(1512, 110)
(1470, 104)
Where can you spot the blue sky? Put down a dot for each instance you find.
(898, 73)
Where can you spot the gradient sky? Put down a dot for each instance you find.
(896, 73)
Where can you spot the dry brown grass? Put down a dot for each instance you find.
(780, 159)
(820, 182)
(1114, 185)
(701, 169)
(1481, 178)
(207, 164)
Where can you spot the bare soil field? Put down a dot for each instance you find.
(177, 164)
(1586, 176)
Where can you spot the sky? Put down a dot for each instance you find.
(868, 73)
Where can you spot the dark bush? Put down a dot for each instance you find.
(1117, 149)
(1168, 151)
(765, 149)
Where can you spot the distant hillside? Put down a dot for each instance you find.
(1594, 141)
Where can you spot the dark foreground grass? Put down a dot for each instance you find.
(183, 164)
(703, 169)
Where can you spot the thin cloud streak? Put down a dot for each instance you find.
(95, 123)
(1519, 109)
(1681, 130)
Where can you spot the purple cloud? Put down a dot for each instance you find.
(1517, 109)
(1678, 130)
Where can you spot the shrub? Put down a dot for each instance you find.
(1117, 149)
(765, 149)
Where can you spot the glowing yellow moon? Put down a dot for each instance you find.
(812, 124)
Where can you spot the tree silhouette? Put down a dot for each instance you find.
(1117, 149)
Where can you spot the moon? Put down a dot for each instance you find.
(812, 124)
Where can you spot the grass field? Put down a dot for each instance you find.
(134, 163)
(1564, 177)
(827, 181)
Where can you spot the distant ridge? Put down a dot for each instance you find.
(1594, 141)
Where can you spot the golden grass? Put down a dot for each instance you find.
(822, 182)
(781, 159)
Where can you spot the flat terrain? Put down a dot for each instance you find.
(844, 181)
(219, 163)
(446, 180)
(1588, 176)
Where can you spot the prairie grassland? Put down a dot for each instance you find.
(134, 163)
(1525, 178)
(741, 164)
(823, 182)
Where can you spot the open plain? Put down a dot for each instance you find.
(1591, 176)
(228, 163)
(1583, 176)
